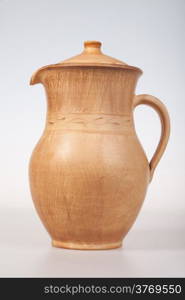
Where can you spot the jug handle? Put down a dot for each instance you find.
(160, 108)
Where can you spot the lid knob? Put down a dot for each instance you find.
(92, 47)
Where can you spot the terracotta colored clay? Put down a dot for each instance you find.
(88, 172)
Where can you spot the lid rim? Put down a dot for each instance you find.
(105, 65)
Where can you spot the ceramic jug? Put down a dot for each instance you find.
(89, 173)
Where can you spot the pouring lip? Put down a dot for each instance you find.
(34, 78)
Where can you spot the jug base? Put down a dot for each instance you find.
(84, 246)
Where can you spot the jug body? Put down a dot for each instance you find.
(88, 173)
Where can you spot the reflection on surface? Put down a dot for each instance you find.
(26, 250)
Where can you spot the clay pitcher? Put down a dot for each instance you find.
(89, 173)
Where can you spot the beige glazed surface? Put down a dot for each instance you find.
(88, 172)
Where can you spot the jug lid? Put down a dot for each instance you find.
(93, 56)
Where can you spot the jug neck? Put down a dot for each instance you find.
(90, 90)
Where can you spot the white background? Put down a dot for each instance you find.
(145, 33)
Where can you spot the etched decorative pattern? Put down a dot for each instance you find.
(98, 122)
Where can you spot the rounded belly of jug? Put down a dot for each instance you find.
(88, 187)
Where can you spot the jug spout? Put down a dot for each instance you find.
(36, 77)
